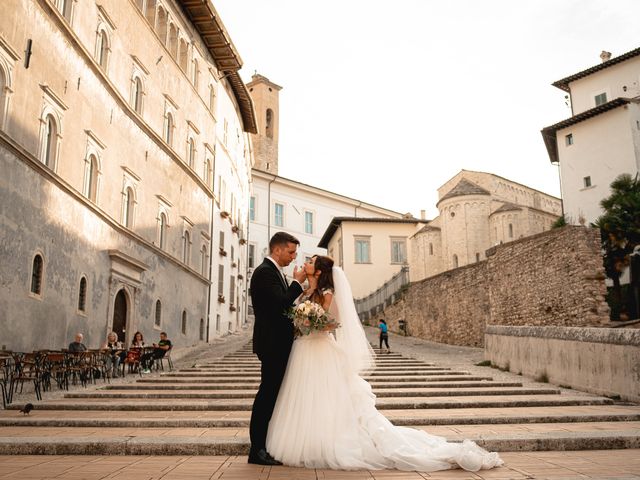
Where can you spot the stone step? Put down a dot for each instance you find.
(382, 404)
(395, 393)
(257, 374)
(256, 380)
(250, 385)
(432, 417)
(102, 444)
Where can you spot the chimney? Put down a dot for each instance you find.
(605, 56)
(423, 214)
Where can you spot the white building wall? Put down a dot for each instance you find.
(297, 199)
(603, 147)
(611, 80)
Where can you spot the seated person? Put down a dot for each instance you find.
(115, 353)
(160, 350)
(77, 346)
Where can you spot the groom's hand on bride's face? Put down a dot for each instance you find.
(299, 274)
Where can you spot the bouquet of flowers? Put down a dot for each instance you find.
(310, 317)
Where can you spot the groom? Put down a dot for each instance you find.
(271, 296)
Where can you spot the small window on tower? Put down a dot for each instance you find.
(587, 181)
(600, 99)
(269, 123)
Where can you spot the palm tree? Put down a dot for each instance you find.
(620, 232)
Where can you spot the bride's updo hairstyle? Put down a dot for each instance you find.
(325, 265)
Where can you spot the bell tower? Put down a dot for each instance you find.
(265, 95)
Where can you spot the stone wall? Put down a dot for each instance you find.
(553, 278)
(599, 360)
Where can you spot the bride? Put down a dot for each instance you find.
(325, 415)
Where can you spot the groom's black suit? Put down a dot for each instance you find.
(272, 340)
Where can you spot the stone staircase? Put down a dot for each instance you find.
(205, 409)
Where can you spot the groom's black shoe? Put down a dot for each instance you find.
(262, 457)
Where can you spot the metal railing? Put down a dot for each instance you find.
(383, 297)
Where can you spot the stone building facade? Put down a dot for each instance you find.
(478, 210)
(115, 121)
(552, 278)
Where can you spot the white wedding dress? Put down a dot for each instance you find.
(325, 415)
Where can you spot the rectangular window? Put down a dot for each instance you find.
(587, 182)
(252, 255)
(398, 250)
(225, 134)
(308, 222)
(223, 194)
(568, 139)
(600, 99)
(363, 250)
(278, 215)
(252, 209)
(232, 290)
(232, 254)
(220, 280)
(222, 240)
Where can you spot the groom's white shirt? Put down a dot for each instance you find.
(284, 277)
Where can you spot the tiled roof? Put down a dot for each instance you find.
(464, 187)
(205, 18)
(564, 83)
(507, 207)
(335, 223)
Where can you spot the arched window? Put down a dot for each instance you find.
(161, 24)
(158, 316)
(431, 249)
(150, 13)
(102, 49)
(82, 295)
(186, 247)
(202, 329)
(195, 75)
(129, 202)
(204, 260)
(50, 142)
(269, 123)
(455, 261)
(510, 230)
(184, 55)
(92, 184)
(183, 326)
(212, 99)
(191, 152)
(163, 230)
(36, 274)
(173, 41)
(168, 131)
(137, 95)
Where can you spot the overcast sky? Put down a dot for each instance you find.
(384, 101)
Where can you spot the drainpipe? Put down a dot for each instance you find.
(355, 210)
(213, 202)
(269, 209)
